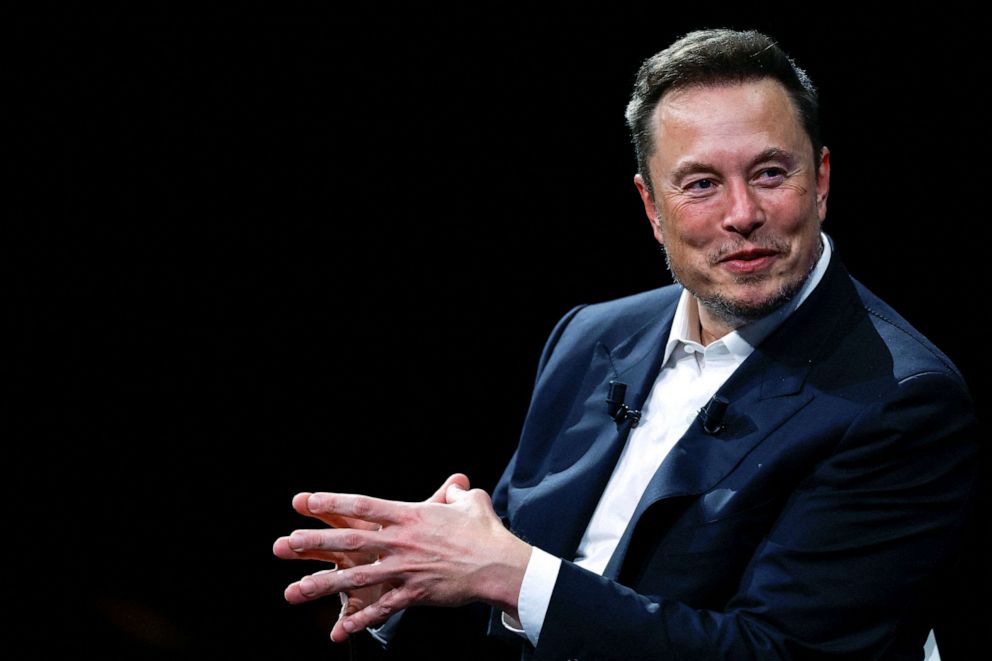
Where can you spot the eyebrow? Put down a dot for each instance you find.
(770, 154)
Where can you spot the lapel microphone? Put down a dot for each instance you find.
(617, 410)
(712, 415)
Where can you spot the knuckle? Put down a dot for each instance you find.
(352, 541)
(362, 507)
(360, 578)
(317, 539)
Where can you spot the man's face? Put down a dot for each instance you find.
(737, 201)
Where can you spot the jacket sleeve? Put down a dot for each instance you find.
(853, 550)
(495, 627)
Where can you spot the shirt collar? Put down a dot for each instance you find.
(741, 342)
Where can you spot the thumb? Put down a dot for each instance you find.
(458, 479)
(453, 493)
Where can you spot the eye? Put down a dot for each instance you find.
(771, 176)
(700, 185)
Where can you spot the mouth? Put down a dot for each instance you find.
(749, 261)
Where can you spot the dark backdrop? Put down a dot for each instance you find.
(255, 252)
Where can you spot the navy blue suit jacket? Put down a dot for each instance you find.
(811, 527)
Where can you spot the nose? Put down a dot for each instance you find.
(744, 213)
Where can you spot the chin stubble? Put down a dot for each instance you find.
(736, 314)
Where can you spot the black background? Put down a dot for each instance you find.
(255, 252)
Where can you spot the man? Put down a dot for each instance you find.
(763, 461)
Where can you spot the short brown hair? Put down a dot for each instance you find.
(709, 57)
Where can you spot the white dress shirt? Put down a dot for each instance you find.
(689, 377)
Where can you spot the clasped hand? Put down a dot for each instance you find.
(449, 550)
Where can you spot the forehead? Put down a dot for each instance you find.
(724, 120)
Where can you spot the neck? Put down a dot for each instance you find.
(712, 328)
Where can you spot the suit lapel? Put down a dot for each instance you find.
(554, 517)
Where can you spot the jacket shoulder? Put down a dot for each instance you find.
(612, 321)
(913, 354)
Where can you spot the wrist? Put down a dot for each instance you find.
(501, 588)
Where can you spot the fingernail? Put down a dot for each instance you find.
(315, 503)
(307, 587)
(349, 626)
(296, 542)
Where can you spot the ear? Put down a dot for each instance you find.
(823, 184)
(649, 208)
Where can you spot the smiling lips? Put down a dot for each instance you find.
(749, 261)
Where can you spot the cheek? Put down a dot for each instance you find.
(688, 259)
(791, 208)
(678, 206)
(692, 224)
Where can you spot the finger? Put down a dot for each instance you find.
(352, 602)
(457, 478)
(282, 549)
(364, 508)
(329, 582)
(294, 593)
(300, 501)
(371, 616)
(341, 540)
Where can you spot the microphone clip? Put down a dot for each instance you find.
(616, 408)
(713, 413)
